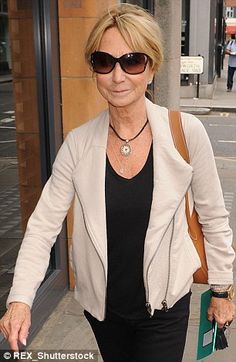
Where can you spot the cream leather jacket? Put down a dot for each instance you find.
(170, 258)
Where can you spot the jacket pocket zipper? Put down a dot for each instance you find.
(164, 302)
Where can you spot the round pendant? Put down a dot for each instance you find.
(125, 149)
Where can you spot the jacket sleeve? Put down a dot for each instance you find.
(209, 203)
(44, 225)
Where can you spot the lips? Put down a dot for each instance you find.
(120, 91)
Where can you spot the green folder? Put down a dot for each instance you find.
(207, 329)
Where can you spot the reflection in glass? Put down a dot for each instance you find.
(20, 162)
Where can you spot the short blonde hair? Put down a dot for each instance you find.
(138, 28)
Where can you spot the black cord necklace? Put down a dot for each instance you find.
(125, 149)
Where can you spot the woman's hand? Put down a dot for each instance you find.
(15, 324)
(222, 310)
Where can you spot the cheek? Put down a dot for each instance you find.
(141, 83)
(100, 85)
(102, 81)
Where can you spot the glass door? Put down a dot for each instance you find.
(30, 135)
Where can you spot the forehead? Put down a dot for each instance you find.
(113, 43)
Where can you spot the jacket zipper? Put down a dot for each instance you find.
(105, 277)
(164, 303)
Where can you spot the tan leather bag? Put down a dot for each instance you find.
(194, 227)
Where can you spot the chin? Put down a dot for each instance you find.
(118, 103)
(122, 101)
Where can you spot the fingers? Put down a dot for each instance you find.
(5, 335)
(24, 331)
(15, 324)
(220, 322)
(210, 314)
(220, 318)
(221, 310)
(13, 337)
(14, 331)
(3, 328)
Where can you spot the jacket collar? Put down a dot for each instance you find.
(172, 177)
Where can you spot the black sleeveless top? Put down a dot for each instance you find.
(128, 205)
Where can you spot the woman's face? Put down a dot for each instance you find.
(117, 87)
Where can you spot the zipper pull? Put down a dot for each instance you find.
(149, 308)
(165, 306)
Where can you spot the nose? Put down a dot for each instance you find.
(118, 75)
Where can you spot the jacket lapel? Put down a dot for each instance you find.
(89, 181)
(172, 177)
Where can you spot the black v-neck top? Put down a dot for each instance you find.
(128, 205)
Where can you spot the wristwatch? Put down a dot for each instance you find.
(227, 294)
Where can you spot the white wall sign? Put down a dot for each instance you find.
(191, 65)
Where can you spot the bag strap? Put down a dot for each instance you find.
(178, 136)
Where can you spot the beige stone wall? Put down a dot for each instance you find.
(167, 80)
(80, 98)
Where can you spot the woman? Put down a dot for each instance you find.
(132, 255)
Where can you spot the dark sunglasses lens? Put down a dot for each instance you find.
(133, 63)
(102, 62)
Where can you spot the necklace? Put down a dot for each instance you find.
(125, 148)
(123, 169)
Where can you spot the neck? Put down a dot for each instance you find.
(128, 120)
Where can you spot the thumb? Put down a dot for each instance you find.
(210, 317)
(210, 314)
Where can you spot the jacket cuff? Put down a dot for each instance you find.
(19, 298)
(220, 277)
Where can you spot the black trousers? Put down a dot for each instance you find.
(230, 78)
(157, 339)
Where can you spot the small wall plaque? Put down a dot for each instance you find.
(191, 65)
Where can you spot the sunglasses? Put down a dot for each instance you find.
(131, 63)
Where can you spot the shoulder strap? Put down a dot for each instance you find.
(178, 134)
(181, 145)
(194, 227)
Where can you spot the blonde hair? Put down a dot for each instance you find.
(138, 28)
